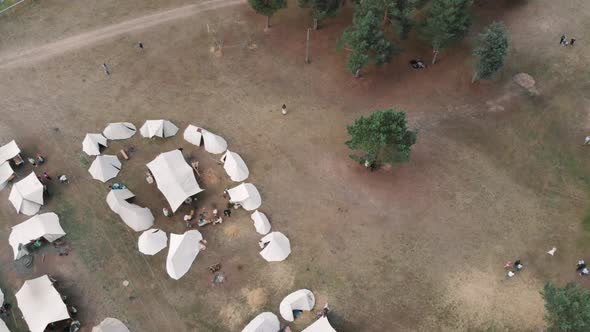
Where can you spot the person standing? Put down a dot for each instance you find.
(284, 109)
(562, 40)
(572, 41)
(32, 162)
(140, 45)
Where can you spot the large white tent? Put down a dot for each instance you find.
(137, 217)
(152, 241)
(277, 247)
(246, 195)
(302, 299)
(92, 143)
(261, 222)
(110, 325)
(235, 166)
(3, 327)
(183, 250)
(174, 177)
(40, 304)
(213, 143)
(265, 322)
(8, 151)
(119, 130)
(44, 225)
(320, 325)
(105, 167)
(5, 174)
(27, 195)
(159, 128)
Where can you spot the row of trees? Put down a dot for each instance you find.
(377, 24)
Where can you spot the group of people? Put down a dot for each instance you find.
(581, 268)
(565, 42)
(513, 268)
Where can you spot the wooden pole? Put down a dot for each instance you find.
(307, 47)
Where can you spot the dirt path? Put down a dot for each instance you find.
(47, 51)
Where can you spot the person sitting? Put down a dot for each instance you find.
(217, 220)
(63, 179)
(417, 64)
(40, 159)
(517, 265)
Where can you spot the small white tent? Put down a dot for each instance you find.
(213, 143)
(5, 174)
(235, 166)
(174, 177)
(27, 195)
(152, 241)
(119, 130)
(261, 222)
(110, 325)
(137, 217)
(302, 299)
(183, 250)
(246, 195)
(159, 128)
(265, 322)
(277, 247)
(44, 225)
(320, 325)
(8, 151)
(105, 167)
(92, 143)
(40, 304)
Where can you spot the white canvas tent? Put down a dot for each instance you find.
(302, 299)
(265, 322)
(44, 225)
(119, 130)
(246, 195)
(159, 128)
(92, 143)
(320, 325)
(3, 327)
(137, 217)
(40, 304)
(235, 166)
(261, 222)
(152, 241)
(5, 174)
(183, 250)
(174, 177)
(8, 151)
(110, 325)
(277, 247)
(105, 167)
(213, 143)
(27, 195)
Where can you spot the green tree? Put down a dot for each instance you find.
(490, 50)
(446, 22)
(383, 137)
(367, 42)
(568, 308)
(398, 13)
(320, 9)
(267, 8)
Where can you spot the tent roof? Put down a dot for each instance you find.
(160, 128)
(5, 173)
(110, 325)
(152, 241)
(174, 177)
(261, 222)
(119, 130)
(247, 195)
(44, 225)
(320, 325)
(3, 327)
(182, 251)
(302, 299)
(27, 195)
(105, 167)
(137, 217)
(92, 142)
(8, 151)
(235, 166)
(40, 304)
(278, 248)
(213, 143)
(264, 322)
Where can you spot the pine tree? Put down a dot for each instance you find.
(267, 8)
(490, 50)
(568, 308)
(320, 9)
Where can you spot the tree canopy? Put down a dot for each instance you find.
(267, 7)
(320, 9)
(490, 50)
(383, 137)
(568, 308)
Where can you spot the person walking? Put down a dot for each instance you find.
(106, 69)
(140, 45)
(284, 109)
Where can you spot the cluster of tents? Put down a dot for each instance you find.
(8, 152)
(298, 301)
